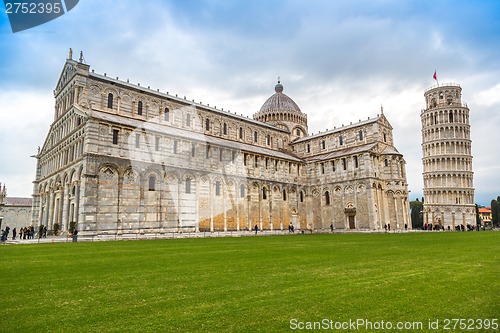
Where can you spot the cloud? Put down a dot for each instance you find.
(339, 60)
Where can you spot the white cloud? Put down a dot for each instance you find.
(338, 60)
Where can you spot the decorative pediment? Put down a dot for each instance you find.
(67, 74)
(383, 120)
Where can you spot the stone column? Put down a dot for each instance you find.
(224, 204)
(50, 221)
(211, 205)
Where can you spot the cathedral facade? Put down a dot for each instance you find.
(122, 158)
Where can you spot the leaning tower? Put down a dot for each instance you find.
(447, 159)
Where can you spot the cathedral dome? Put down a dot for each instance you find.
(279, 102)
(281, 111)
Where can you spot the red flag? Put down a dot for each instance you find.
(435, 76)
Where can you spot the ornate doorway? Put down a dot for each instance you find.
(350, 212)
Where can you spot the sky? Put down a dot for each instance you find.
(340, 61)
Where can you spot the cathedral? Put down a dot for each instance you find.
(122, 158)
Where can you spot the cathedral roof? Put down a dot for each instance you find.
(340, 153)
(279, 102)
(190, 135)
(340, 129)
(14, 201)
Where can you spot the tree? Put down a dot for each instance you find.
(498, 211)
(494, 212)
(417, 220)
(478, 218)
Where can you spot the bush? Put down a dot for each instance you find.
(57, 227)
(72, 226)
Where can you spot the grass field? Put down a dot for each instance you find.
(251, 284)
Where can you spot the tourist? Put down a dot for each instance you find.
(14, 233)
(256, 228)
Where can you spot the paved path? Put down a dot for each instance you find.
(177, 235)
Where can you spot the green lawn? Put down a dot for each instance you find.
(250, 284)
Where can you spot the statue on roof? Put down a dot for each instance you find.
(70, 56)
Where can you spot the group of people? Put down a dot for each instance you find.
(24, 233)
(459, 227)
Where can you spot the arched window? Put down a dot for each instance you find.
(308, 148)
(241, 132)
(255, 137)
(166, 115)
(323, 144)
(110, 101)
(264, 193)
(217, 188)
(327, 198)
(115, 136)
(242, 191)
(224, 129)
(361, 135)
(341, 140)
(188, 185)
(301, 196)
(152, 182)
(207, 124)
(139, 108)
(284, 195)
(268, 140)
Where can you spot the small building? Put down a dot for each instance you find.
(485, 215)
(14, 212)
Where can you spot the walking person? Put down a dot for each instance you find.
(256, 228)
(14, 233)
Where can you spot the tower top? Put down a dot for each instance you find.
(443, 95)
